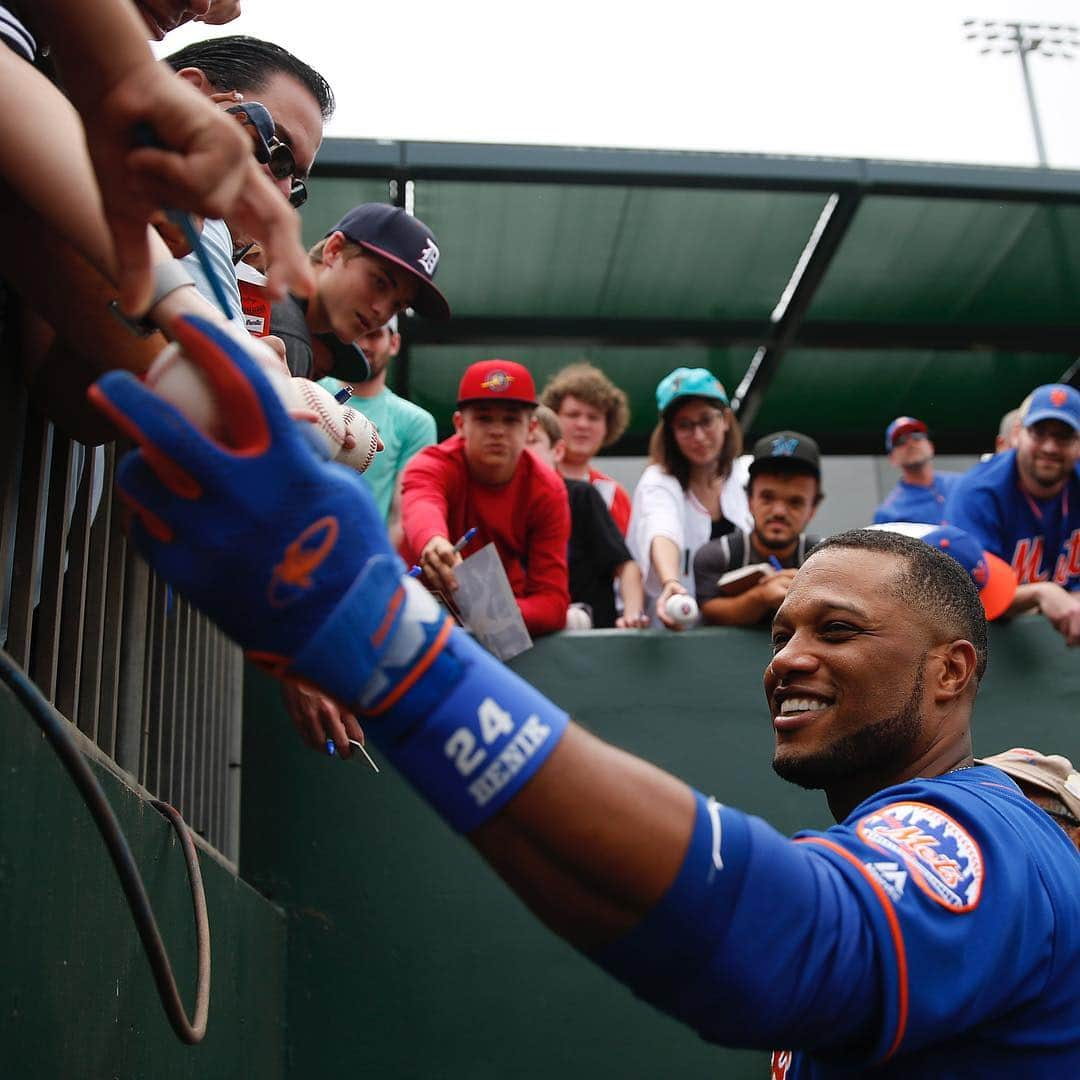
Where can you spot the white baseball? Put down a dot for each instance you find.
(335, 421)
(681, 609)
(184, 384)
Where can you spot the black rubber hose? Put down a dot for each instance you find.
(56, 729)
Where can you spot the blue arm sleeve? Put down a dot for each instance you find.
(904, 928)
(758, 943)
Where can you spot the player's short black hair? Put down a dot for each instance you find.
(934, 585)
(240, 62)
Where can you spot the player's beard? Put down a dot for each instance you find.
(872, 750)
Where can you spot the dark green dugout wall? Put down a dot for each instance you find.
(408, 958)
(77, 1000)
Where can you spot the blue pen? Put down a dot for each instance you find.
(416, 571)
(343, 395)
(775, 563)
(146, 136)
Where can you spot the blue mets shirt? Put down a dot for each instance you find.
(1039, 538)
(917, 502)
(934, 933)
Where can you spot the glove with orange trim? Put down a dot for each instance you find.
(288, 554)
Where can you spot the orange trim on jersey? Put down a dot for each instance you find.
(422, 665)
(894, 930)
(388, 619)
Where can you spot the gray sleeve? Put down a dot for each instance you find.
(217, 242)
(713, 558)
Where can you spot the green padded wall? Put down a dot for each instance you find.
(408, 958)
(77, 999)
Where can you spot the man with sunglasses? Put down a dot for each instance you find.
(240, 72)
(921, 492)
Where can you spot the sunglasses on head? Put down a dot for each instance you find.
(269, 149)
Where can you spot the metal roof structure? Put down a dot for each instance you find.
(829, 295)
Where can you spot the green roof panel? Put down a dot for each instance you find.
(919, 260)
(597, 250)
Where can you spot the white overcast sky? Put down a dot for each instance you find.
(819, 77)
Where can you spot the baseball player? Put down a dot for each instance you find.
(1024, 506)
(934, 931)
(921, 492)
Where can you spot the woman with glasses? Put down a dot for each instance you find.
(694, 488)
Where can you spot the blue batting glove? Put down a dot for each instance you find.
(288, 554)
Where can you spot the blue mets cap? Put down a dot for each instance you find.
(689, 382)
(992, 576)
(403, 239)
(1055, 401)
(902, 425)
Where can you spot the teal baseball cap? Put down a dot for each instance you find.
(689, 382)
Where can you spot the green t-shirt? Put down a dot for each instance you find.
(404, 428)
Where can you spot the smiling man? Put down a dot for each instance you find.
(933, 932)
(484, 477)
(783, 493)
(1023, 505)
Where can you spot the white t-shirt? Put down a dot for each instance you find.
(662, 508)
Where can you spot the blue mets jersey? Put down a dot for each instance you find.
(917, 502)
(1039, 538)
(934, 933)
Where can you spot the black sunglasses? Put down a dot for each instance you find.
(269, 149)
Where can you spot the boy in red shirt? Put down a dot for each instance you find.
(484, 477)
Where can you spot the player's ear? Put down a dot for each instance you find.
(951, 669)
(558, 451)
(395, 343)
(459, 421)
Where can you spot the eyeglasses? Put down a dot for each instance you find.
(909, 436)
(705, 425)
(269, 149)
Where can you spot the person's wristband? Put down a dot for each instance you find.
(169, 276)
(462, 727)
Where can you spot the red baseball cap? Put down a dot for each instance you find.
(497, 380)
(902, 425)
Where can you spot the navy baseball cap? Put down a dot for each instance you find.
(1055, 401)
(902, 425)
(689, 382)
(786, 451)
(403, 239)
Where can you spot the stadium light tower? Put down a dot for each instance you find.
(1021, 39)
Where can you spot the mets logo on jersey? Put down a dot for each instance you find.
(943, 858)
(292, 576)
(497, 382)
(784, 447)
